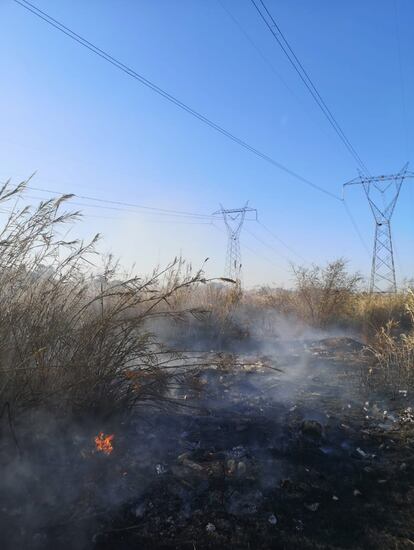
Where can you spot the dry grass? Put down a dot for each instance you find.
(69, 338)
(393, 354)
(76, 339)
(331, 298)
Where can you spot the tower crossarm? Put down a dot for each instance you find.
(362, 179)
(382, 193)
(230, 211)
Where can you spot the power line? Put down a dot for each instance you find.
(355, 226)
(304, 76)
(253, 251)
(87, 215)
(264, 243)
(133, 74)
(401, 74)
(119, 205)
(277, 238)
(266, 60)
(256, 47)
(263, 257)
(126, 206)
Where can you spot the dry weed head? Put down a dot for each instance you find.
(68, 331)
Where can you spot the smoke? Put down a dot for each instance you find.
(237, 419)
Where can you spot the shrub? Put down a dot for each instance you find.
(324, 295)
(69, 338)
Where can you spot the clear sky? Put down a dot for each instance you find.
(88, 128)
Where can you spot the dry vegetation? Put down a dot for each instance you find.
(393, 352)
(71, 340)
(330, 297)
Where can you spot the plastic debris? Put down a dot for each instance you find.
(238, 451)
(160, 469)
(241, 468)
(361, 452)
(140, 510)
(312, 507)
(231, 467)
(272, 519)
(407, 416)
(210, 528)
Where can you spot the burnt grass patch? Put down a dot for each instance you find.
(252, 459)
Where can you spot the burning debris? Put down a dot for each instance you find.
(103, 443)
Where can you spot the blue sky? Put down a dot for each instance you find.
(87, 128)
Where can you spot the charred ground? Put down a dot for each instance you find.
(252, 458)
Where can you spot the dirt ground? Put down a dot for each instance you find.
(254, 458)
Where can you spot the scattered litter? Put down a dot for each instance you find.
(193, 465)
(181, 458)
(140, 510)
(312, 507)
(210, 528)
(298, 524)
(272, 519)
(160, 469)
(241, 468)
(362, 453)
(335, 497)
(407, 416)
(403, 392)
(231, 467)
(238, 452)
(327, 450)
(357, 493)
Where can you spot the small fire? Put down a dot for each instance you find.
(104, 443)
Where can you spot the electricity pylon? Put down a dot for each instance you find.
(382, 193)
(234, 219)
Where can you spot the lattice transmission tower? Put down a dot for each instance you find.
(382, 193)
(233, 219)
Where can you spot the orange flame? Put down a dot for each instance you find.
(104, 443)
